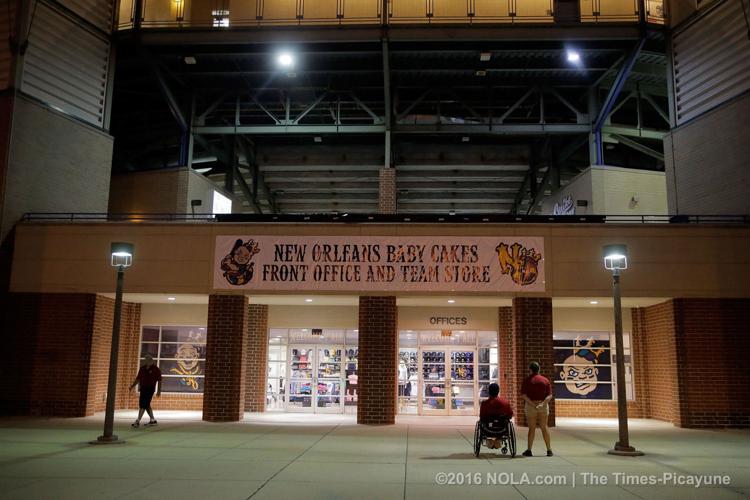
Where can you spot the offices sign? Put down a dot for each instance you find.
(384, 264)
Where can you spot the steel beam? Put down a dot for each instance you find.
(614, 92)
(639, 147)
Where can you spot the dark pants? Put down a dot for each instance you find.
(144, 400)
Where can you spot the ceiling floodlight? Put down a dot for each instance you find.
(285, 60)
(573, 56)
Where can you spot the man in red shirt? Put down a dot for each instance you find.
(148, 377)
(493, 407)
(537, 393)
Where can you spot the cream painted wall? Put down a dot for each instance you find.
(615, 187)
(666, 260)
(346, 317)
(418, 318)
(579, 188)
(174, 314)
(589, 319)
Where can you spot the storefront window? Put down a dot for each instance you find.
(180, 354)
(445, 372)
(312, 369)
(584, 366)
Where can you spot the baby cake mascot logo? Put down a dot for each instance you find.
(521, 263)
(237, 266)
(579, 370)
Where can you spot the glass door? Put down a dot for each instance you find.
(301, 380)
(434, 383)
(462, 382)
(448, 381)
(328, 380)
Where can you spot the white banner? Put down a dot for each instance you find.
(383, 264)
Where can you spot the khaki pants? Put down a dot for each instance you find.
(541, 414)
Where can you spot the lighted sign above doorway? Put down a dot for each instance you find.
(425, 264)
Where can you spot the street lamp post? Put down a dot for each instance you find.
(616, 260)
(122, 257)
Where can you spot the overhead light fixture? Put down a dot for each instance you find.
(451, 301)
(480, 72)
(465, 138)
(593, 302)
(485, 56)
(285, 60)
(191, 60)
(573, 56)
(171, 299)
(308, 300)
(318, 139)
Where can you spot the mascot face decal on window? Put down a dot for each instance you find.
(237, 265)
(579, 370)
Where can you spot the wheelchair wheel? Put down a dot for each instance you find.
(512, 439)
(477, 439)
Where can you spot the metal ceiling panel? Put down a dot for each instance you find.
(711, 60)
(66, 66)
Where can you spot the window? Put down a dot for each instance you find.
(180, 354)
(584, 366)
(222, 204)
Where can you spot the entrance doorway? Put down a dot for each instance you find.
(445, 373)
(312, 370)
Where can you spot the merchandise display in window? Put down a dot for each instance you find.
(443, 373)
(180, 354)
(312, 372)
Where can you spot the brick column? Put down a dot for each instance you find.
(226, 345)
(378, 350)
(532, 341)
(387, 191)
(256, 364)
(505, 359)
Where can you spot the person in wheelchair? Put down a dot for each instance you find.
(493, 408)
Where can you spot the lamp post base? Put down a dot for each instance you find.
(107, 440)
(625, 451)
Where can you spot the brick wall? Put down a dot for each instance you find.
(101, 343)
(505, 358)
(60, 344)
(378, 351)
(387, 191)
(657, 324)
(257, 358)
(713, 348)
(226, 354)
(532, 341)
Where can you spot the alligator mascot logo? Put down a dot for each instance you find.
(521, 263)
(237, 266)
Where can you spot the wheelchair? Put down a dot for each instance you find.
(500, 428)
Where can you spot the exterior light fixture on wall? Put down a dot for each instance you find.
(616, 260)
(121, 255)
(485, 56)
(318, 139)
(465, 138)
(190, 60)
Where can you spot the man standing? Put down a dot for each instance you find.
(537, 393)
(494, 407)
(148, 377)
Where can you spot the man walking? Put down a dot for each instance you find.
(537, 393)
(148, 377)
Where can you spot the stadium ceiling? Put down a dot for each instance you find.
(474, 124)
